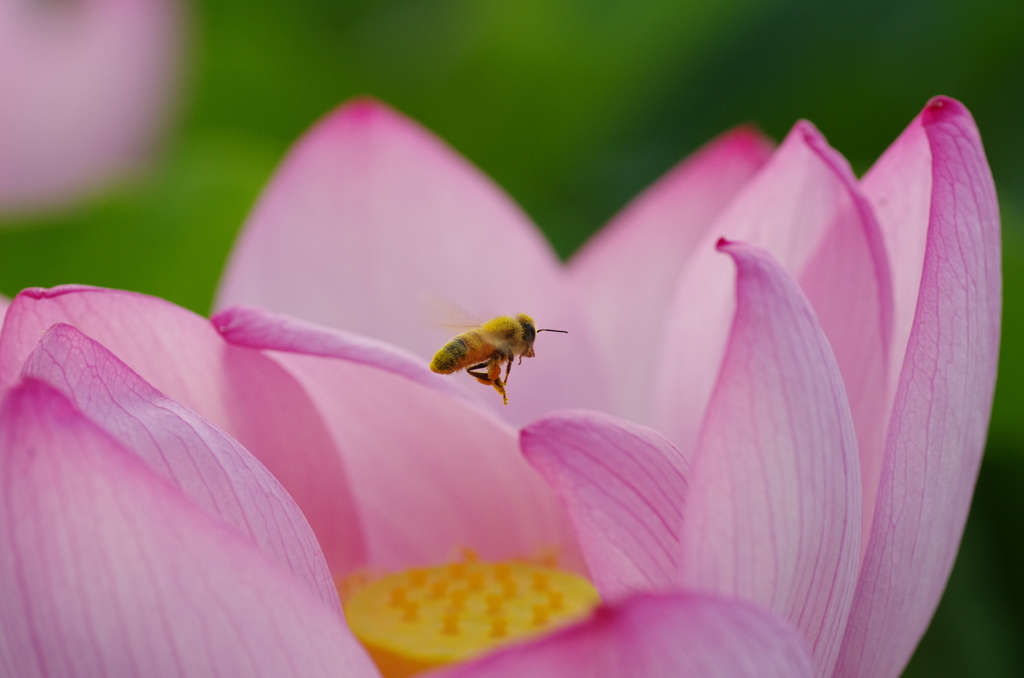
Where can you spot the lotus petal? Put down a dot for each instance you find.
(373, 225)
(625, 488)
(625, 275)
(87, 87)
(238, 390)
(946, 381)
(774, 511)
(805, 209)
(181, 447)
(431, 474)
(107, 570)
(667, 636)
(260, 329)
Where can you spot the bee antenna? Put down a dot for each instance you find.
(562, 331)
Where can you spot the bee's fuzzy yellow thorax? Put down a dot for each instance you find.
(502, 326)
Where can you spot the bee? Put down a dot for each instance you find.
(482, 350)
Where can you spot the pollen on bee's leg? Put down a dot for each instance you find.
(421, 619)
(500, 388)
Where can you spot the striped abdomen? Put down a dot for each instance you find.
(463, 351)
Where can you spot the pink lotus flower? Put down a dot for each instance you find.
(819, 386)
(86, 86)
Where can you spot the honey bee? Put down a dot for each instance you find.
(482, 350)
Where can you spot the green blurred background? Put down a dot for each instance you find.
(574, 107)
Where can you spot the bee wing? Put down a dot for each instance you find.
(454, 319)
(445, 315)
(499, 341)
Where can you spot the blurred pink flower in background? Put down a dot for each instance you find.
(87, 88)
(818, 388)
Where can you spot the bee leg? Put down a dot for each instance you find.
(492, 377)
(494, 372)
(482, 377)
(508, 368)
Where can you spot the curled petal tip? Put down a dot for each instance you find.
(943, 103)
(942, 109)
(750, 133)
(53, 292)
(363, 108)
(809, 131)
(223, 321)
(361, 115)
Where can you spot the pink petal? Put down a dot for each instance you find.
(86, 87)
(803, 207)
(668, 636)
(640, 254)
(107, 570)
(774, 509)
(899, 187)
(849, 285)
(625, 488)
(371, 222)
(147, 329)
(204, 463)
(944, 399)
(431, 474)
(238, 390)
(253, 327)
